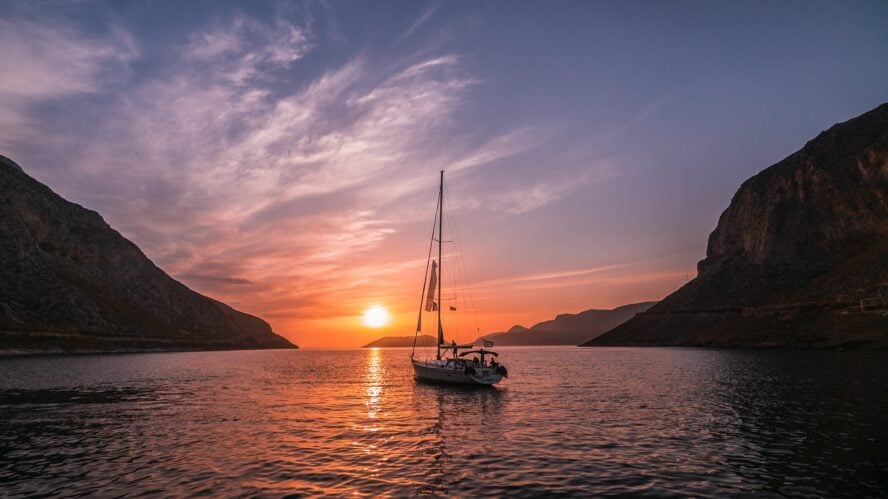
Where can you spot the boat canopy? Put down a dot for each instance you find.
(482, 352)
(449, 346)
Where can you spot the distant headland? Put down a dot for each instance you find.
(566, 329)
(402, 342)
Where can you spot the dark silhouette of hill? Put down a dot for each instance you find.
(401, 341)
(566, 329)
(799, 259)
(71, 283)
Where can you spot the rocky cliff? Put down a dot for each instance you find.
(71, 283)
(566, 329)
(798, 259)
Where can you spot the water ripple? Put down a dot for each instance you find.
(570, 422)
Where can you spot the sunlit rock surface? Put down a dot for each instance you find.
(799, 247)
(71, 283)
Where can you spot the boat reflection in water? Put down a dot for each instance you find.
(463, 425)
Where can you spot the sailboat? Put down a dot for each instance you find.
(451, 364)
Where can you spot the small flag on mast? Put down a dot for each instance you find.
(452, 308)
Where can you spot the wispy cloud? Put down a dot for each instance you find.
(647, 270)
(230, 177)
(234, 281)
(546, 276)
(548, 191)
(422, 19)
(43, 62)
(267, 190)
(499, 147)
(638, 119)
(240, 49)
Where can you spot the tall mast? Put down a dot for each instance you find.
(440, 266)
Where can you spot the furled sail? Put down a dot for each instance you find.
(433, 284)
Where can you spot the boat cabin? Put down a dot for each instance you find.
(482, 353)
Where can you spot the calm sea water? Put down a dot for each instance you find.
(570, 421)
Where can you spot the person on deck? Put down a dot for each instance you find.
(453, 344)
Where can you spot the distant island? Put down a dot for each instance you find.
(566, 329)
(798, 260)
(71, 283)
(401, 342)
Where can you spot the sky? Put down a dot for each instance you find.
(283, 157)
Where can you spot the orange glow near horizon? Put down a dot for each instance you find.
(500, 303)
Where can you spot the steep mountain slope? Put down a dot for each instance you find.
(567, 329)
(69, 282)
(799, 247)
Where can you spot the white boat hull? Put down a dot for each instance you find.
(443, 372)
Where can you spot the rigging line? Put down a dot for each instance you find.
(458, 257)
(471, 296)
(425, 278)
(454, 274)
(469, 319)
(471, 293)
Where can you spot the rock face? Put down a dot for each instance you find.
(566, 329)
(71, 283)
(799, 247)
(401, 342)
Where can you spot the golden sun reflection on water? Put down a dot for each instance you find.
(373, 378)
(373, 442)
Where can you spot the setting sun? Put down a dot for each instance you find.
(376, 316)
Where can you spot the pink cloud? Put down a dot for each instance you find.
(274, 198)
